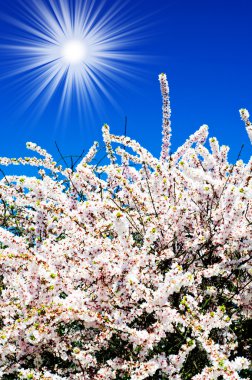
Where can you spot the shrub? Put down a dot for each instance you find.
(138, 269)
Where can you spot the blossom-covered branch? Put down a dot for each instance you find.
(142, 273)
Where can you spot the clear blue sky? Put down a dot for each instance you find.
(204, 47)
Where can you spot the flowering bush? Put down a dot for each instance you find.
(138, 269)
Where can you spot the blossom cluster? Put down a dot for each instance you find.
(138, 269)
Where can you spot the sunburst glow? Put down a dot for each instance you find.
(81, 48)
(74, 52)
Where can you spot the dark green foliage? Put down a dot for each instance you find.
(138, 238)
(63, 295)
(170, 345)
(65, 328)
(217, 335)
(116, 348)
(243, 331)
(144, 321)
(2, 286)
(50, 361)
(123, 376)
(246, 373)
(13, 376)
(195, 362)
(165, 265)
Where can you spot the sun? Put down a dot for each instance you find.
(80, 50)
(74, 52)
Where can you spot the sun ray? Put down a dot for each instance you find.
(85, 47)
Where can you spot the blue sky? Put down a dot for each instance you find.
(204, 47)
